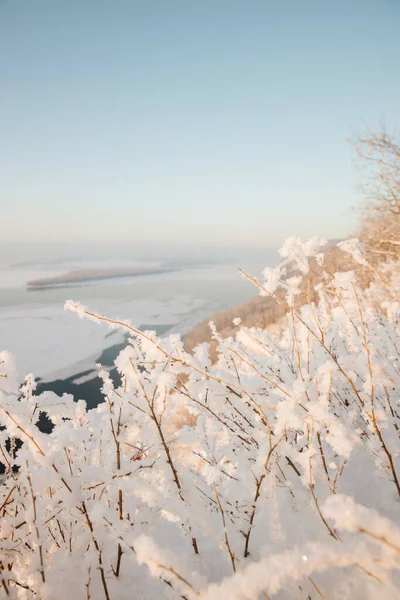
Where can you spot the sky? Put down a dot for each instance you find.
(212, 122)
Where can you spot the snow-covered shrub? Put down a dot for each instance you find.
(272, 473)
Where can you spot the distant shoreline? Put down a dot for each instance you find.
(87, 276)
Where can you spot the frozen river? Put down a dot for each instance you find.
(54, 344)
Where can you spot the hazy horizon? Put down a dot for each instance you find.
(16, 253)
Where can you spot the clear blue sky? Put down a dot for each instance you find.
(204, 121)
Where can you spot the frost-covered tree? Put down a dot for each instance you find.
(270, 473)
(378, 162)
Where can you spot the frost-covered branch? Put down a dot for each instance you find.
(260, 460)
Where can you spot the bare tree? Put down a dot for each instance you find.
(378, 162)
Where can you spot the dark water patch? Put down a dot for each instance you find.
(108, 356)
(159, 329)
(111, 333)
(90, 390)
(73, 378)
(44, 424)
